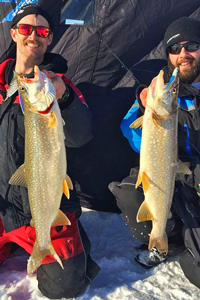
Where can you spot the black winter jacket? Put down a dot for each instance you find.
(14, 204)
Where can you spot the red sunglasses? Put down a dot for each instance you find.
(26, 29)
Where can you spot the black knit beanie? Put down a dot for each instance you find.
(183, 29)
(31, 9)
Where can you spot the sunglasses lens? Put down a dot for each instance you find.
(42, 31)
(189, 47)
(25, 29)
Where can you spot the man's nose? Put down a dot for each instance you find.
(183, 52)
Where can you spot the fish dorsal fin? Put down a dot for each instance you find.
(145, 182)
(137, 123)
(61, 219)
(144, 213)
(18, 178)
(52, 120)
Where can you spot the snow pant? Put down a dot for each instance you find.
(73, 247)
(184, 224)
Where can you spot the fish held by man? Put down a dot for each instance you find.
(158, 156)
(44, 168)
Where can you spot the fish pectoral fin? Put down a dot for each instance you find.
(145, 182)
(67, 184)
(161, 243)
(52, 120)
(144, 213)
(38, 255)
(61, 219)
(183, 168)
(18, 178)
(137, 123)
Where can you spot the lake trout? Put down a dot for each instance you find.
(44, 170)
(158, 156)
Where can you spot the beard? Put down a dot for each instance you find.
(188, 76)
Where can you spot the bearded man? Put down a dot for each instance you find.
(182, 48)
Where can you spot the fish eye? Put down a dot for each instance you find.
(22, 89)
(174, 90)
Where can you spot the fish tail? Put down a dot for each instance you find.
(38, 255)
(161, 243)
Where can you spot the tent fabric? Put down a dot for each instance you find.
(107, 61)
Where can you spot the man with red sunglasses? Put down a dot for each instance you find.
(182, 48)
(32, 32)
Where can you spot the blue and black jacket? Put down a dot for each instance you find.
(188, 128)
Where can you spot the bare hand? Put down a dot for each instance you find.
(57, 82)
(143, 96)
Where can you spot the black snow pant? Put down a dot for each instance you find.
(79, 271)
(184, 224)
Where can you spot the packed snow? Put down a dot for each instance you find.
(114, 249)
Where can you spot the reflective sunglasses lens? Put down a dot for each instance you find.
(25, 29)
(42, 31)
(191, 47)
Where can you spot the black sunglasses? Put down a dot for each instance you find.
(189, 47)
(26, 29)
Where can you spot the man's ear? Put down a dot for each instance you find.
(50, 39)
(13, 34)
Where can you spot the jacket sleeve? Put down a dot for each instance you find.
(133, 135)
(78, 121)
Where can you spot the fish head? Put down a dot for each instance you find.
(162, 97)
(38, 93)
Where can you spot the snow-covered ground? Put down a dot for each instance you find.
(114, 249)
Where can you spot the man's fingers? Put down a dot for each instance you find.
(143, 96)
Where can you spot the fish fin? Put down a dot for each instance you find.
(32, 223)
(137, 123)
(169, 215)
(63, 122)
(183, 168)
(38, 255)
(145, 182)
(160, 243)
(144, 213)
(52, 120)
(18, 178)
(139, 180)
(66, 188)
(69, 182)
(61, 219)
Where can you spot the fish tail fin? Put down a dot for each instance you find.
(161, 243)
(38, 255)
